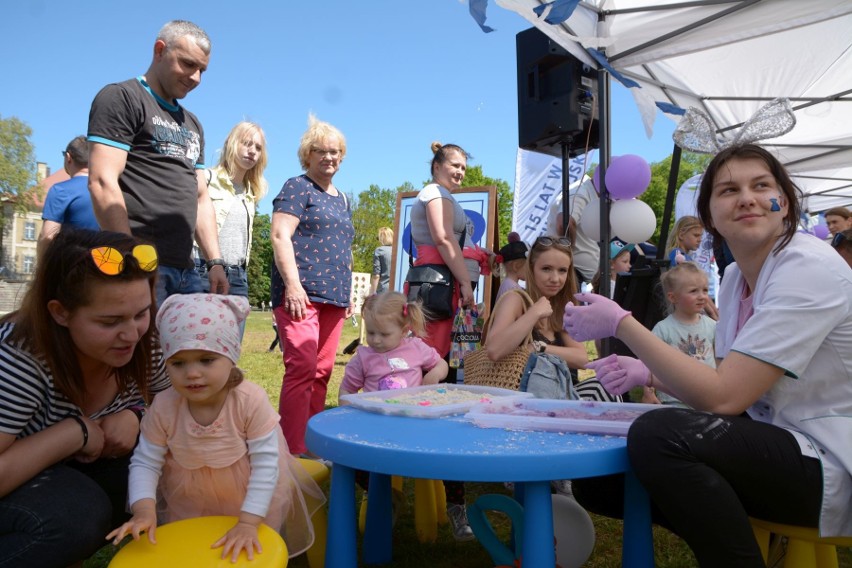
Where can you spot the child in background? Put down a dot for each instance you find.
(392, 360)
(684, 240)
(211, 444)
(619, 261)
(512, 260)
(686, 328)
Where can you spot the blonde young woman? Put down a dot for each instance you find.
(236, 185)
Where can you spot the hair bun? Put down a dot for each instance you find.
(513, 237)
(436, 146)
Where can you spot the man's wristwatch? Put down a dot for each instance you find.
(215, 262)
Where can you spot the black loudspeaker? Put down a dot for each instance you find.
(557, 95)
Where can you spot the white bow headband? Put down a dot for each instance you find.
(696, 132)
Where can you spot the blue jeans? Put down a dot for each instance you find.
(237, 279)
(237, 283)
(62, 515)
(171, 280)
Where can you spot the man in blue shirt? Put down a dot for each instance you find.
(69, 202)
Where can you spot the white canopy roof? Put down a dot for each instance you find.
(729, 58)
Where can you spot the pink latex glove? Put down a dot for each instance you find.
(597, 320)
(619, 374)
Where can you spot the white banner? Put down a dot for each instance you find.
(538, 181)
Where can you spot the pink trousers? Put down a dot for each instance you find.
(310, 346)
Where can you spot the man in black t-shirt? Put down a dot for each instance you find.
(146, 163)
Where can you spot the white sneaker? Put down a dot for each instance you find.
(457, 515)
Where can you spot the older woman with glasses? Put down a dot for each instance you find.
(312, 242)
(77, 366)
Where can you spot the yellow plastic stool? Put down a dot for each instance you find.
(187, 543)
(805, 548)
(316, 553)
(430, 507)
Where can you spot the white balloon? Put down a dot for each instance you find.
(574, 532)
(590, 222)
(632, 220)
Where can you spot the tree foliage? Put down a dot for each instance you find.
(17, 171)
(476, 178)
(655, 195)
(260, 264)
(17, 164)
(375, 208)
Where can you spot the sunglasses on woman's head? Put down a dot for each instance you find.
(550, 241)
(110, 261)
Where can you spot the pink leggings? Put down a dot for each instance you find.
(310, 346)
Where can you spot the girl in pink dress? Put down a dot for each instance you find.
(391, 359)
(211, 444)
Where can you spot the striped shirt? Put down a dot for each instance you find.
(29, 401)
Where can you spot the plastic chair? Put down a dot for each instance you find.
(805, 548)
(430, 507)
(316, 553)
(187, 543)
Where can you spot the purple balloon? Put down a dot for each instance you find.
(820, 231)
(596, 179)
(627, 177)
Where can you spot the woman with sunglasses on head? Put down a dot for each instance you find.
(770, 430)
(551, 283)
(311, 236)
(78, 363)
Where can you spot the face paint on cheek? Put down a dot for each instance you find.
(775, 203)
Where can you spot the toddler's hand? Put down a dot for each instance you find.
(598, 319)
(619, 374)
(243, 536)
(145, 521)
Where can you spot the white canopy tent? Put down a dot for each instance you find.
(729, 58)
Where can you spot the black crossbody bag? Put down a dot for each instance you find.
(432, 286)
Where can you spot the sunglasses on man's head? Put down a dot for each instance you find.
(550, 241)
(837, 239)
(110, 261)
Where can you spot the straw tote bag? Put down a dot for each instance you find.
(506, 373)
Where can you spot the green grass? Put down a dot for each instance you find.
(266, 369)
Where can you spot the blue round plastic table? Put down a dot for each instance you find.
(453, 448)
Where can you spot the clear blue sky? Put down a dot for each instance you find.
(393, 75)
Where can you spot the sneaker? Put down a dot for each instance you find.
(562, 487)
(457, 515)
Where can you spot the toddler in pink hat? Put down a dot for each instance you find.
(211, 444)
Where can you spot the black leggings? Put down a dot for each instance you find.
(706, 474)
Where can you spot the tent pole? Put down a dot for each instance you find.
(669, 205)
(605, 152)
